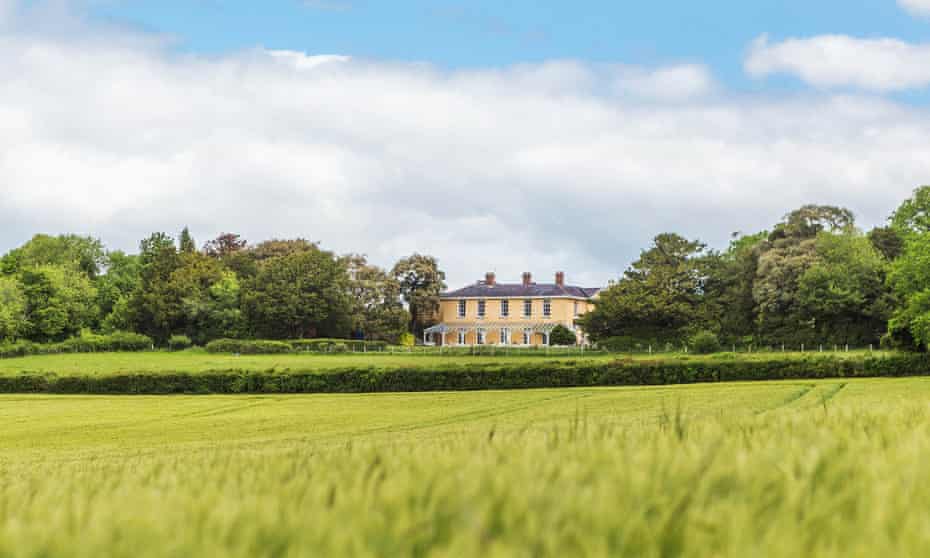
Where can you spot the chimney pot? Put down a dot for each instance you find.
(490, 279)
(560, 278)
(527, 278)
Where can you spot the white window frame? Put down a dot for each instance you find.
(505, 308)
(504, 336)
(527, 308)
(463, 308)
(527, 336)
(462, 336)
(481, 336)
(547, 308)
(482, 308)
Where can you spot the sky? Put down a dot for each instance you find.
(498, 136)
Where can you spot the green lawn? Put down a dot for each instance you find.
(830, 468)
(199, 361)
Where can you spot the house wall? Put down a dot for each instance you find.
(563, 312)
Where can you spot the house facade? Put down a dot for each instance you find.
(519, 314)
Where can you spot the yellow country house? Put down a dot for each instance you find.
(513, 314)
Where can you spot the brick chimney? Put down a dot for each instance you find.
(490, 279)
(560, 278)
(527, 278)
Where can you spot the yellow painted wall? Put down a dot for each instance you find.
(563, 312)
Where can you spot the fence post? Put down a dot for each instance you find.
(802, 347)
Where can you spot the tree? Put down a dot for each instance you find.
(913, 215)
(212, 311)
(377, 311)
(658, 298)
(728, 300)
(186, 242)
(153, 308)
(58, 303)
(12, 309)
(561, 336)
(84, 254)
(909, 279)
(115, 287)
(225, 245)
(843, 294)
(421, 281)
(790, 250)
(887, 241)
(302, 294)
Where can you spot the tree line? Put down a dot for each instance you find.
(54, 287)
(814, 278)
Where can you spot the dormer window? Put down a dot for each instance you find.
(462, 308)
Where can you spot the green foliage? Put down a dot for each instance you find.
(301, 294)
(407, 340)
(561, 336)
(913, 215)
(186, 243)
(154, 306)
(114, 289)
(704, 342)
(82, 254)
(59, 303)
(659, 295)
(377, 312)
(179, 342)
(887, 241)
(12, 309)
(119, 341)
(421, 281)
(474, 376)
(262, 346)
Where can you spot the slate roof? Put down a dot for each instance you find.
(517, 290)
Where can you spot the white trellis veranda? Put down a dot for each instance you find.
(444, 329)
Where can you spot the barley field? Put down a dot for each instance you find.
(807, 468)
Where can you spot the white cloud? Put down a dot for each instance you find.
(535, 167)
(671, 83)
(916, 7)
(838, 60)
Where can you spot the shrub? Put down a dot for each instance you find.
(475, 376)
(179, 343)
(248, 346)
(562, 336)
(407, 340)
(704, 342)
(119, 341)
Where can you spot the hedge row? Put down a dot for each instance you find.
(87, 343)
(471, 377)
(265, 347)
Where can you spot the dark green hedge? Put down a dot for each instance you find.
(472, 377)
(265, 347)
(88, 343)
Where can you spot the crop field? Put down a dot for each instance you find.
(198, 361)
(802, 468)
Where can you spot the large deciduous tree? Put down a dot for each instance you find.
(421, 281)
(377, 311)
(301, 294)
(658, 298)
(58, 303)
